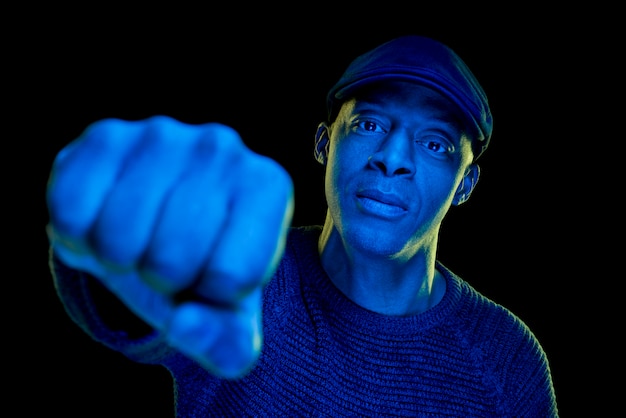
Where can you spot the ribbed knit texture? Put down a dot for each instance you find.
(325, 356)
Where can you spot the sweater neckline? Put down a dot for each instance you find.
(320, 290)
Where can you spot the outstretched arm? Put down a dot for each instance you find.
(183, 223)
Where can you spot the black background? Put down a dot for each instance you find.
(520, 240)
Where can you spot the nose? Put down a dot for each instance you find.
(394, 156)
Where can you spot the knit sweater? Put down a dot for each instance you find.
(325, 356)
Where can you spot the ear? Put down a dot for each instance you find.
(322, 141)
(467, 185)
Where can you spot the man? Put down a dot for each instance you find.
(192, 232)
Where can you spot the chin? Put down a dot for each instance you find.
(375, 242)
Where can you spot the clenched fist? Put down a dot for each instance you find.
(183, 223)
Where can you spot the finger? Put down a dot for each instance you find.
(224, 341)
(153, 307)
(124, 225)
(194, 214)
(82, 175)
(79, 260)
(252, 241)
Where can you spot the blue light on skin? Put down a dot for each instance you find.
(397, 157)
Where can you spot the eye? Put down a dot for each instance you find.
(369, 126)
(436, 144)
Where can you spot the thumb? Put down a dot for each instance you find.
(225, 341)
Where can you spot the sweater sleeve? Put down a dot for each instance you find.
(104, 317)
(534, 381)
(519, 369)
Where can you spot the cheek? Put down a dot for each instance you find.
(338, 167)
(332, 179)
(349, 153)
(446, 196)
(347, 159)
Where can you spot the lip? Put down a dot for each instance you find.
(382, 204)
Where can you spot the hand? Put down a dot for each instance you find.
(182, 222)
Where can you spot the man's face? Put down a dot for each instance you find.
(396, 155)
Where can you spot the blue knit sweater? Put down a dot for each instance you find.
(324, 356)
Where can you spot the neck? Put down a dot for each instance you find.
(387, 284)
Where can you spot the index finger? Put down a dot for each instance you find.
(253, 237)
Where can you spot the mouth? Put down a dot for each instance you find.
(381, 204)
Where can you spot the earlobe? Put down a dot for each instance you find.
(467, 185)
(321, 143)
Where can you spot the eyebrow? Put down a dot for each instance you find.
(446, 116)
(450, 112)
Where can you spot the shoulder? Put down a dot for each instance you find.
(484, 316)
(503, 348)
(493, 333)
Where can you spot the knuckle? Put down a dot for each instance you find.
(222, 138)
(104, 136)
(267, 174)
